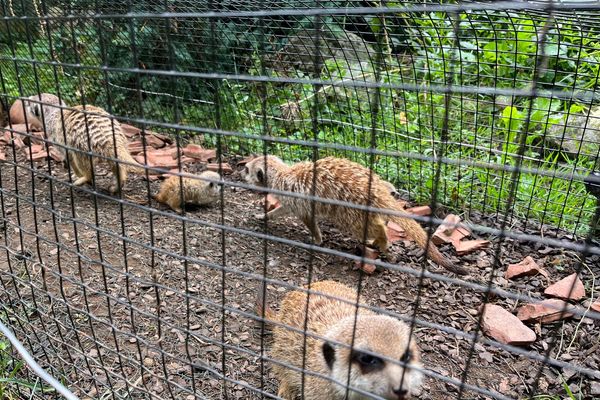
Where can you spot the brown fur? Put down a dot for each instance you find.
(335, 321)
(99, 134)
(195, 191)
(344, 180)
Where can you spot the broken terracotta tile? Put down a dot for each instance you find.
(468, 246)
(595, 306)
(369, 254)
(200, 153)
(153, 140)
(395, 232)
(130, 131)
(135, 147)
(450, 231)
(423, 211)
(246, 160)
(547, 311)
(527, 267)
(56, 155)
(2, 155)
(38, 153)
(172, 172)
(569, 288)
(505, 327)
(225, 168)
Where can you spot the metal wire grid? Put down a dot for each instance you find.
(64, 337)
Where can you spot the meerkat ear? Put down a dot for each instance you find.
(329, 354)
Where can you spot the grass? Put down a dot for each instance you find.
(12, 370)
(495, 50)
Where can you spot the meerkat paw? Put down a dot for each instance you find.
(382, 244)
(81, 181)
(114, 189)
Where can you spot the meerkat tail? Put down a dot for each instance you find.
(261, 306)
(416, 232)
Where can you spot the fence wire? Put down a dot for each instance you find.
(482, 117)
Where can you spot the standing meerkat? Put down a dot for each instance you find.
(97, 133)
(343, 180)
(195, 191)
(334, 320)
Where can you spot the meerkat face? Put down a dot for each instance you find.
(42, 112)
(255, 172)
(375, 334)
(214, 190)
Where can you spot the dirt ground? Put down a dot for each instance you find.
(112, 316)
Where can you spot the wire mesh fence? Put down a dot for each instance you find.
(477, 120)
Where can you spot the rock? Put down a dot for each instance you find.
(225, 168)
(2, 155)
(527, 267)
(545, 311)
(423, 211)
(450, 231)
(579, 135)
(468, 246)
(505, 327)
(16, 116)
(596, 306)
(569, 288)
(595, 388)
(369, 253)
(395, 232)
(200, 153)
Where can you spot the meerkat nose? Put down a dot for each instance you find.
(401, 393)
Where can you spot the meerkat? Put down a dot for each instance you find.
(88, 129)
(343, 180)
(195, 191)
(334, 322)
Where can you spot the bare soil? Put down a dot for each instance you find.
(131, 318)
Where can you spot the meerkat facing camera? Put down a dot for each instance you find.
(194, 191)
(336, 319)
(343, 180)
(88, 129)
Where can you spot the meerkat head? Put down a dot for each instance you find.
(213, 188)
(374, 335)
(46, 111)
(255, 172)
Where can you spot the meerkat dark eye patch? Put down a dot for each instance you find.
(329, 354)
(260, 176)
(367, 362)
(407, 357)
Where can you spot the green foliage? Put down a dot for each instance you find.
(479, 49)
(11, 369)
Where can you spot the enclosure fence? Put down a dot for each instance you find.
(479, 119)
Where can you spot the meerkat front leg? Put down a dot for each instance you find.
(83, 171)
(285, 391)
(313, 226)
(120, 176)
(278, 212)
(379, 232)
